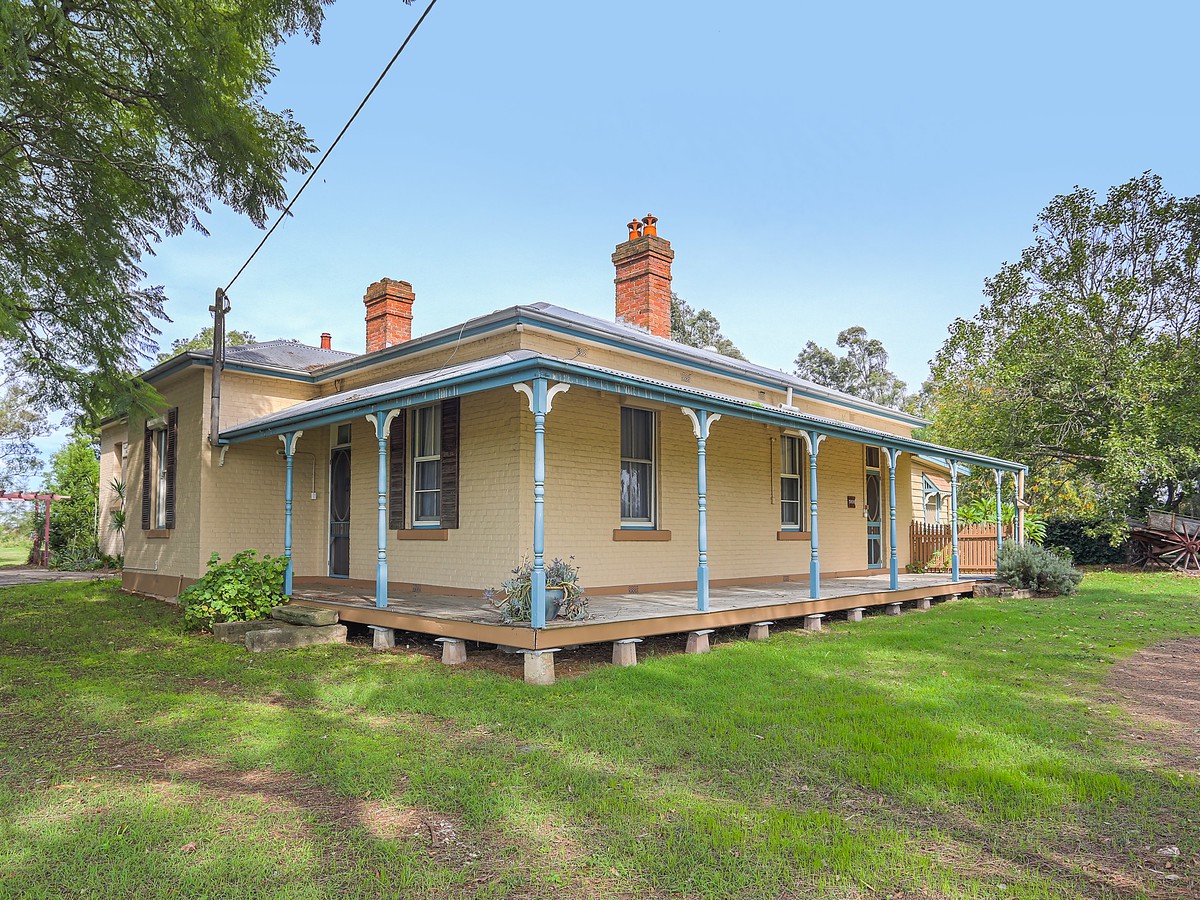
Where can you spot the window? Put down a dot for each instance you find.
(160, 485)
(637, 466)
(343, 435)
(791, 490)
(427, 465)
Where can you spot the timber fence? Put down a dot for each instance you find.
(930, 547)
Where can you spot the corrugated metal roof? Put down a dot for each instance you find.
(284, 354)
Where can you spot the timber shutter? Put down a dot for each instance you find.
(450, 418)
(172, 441)
(396, 466)
(147, 450)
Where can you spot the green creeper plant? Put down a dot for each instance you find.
(240, 590)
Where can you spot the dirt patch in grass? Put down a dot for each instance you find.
(1160, 689)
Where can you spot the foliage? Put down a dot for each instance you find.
(75, 472)
(699, 328)
(1083, 361)
(76, 559)
(516, 605)
(22, 419)
(862, 372)
(203, 340)
(117, 516)
(119, 123)
(1086, 540)
(244, 588)
(1036, 568)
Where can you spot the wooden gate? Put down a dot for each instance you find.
(930, 546)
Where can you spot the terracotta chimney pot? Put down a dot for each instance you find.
(326, 340)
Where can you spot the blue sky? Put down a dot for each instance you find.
(814, 166)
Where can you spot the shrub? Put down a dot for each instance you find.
(1035, 568)
(1089, 547)
(242, 589)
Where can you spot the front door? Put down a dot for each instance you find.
(874, 509)
(339, 512)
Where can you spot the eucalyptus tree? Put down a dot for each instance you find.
(861, 371)
(1085, 358)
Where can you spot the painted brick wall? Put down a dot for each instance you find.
(112, 466)
(583, 498)
(179, 554)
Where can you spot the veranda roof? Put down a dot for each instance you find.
(520, 365)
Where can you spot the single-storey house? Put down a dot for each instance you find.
(688, 486)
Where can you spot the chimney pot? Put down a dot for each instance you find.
(389, 313)
(326, 340)
(643, 279)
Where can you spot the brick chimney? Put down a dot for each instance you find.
(644, 278)
(389, 313)
(326, 340)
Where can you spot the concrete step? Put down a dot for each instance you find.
(293, 637)
(304, 615)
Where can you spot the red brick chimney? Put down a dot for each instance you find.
(326, 340)
(644, 278)
(389, 313)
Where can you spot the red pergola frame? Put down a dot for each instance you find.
(38, 497)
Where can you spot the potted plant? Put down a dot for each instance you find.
(564, 595)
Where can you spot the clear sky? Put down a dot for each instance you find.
(815, 166)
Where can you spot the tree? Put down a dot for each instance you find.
(21, 420)
(74, 471)
(699, 328)
(119, 123)
(203, 340)
(1084, 361)
(862, 372)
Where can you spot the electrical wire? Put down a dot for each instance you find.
(324, 156)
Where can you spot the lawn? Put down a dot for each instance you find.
(14, 554)
(970, 751)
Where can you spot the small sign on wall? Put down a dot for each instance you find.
(849, 502)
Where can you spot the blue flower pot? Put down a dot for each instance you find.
(554, 598)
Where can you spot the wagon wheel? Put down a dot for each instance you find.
(1182, 551)
(1139, 551)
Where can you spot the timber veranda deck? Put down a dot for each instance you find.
(621, 616)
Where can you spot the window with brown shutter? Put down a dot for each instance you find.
(147, 452)
(450, 421)
(396, 472)
(169, 462)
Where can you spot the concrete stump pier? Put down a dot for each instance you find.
(539, 666)
(856, 614)
(454, 653)
(813, 622)
(697, 641)
(893, 609)
(924, 603)
(382, 638)
(625, 652)
(760, 631)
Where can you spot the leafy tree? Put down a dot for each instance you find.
(1083, 362)
(75, 471)
(119, 123)
(699, 328)
(21, 420)
(203, 340)
(862, 372)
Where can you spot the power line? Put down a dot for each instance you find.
(324, 156)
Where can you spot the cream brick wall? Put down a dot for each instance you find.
(583, 499)
(179, 554)
(113, 437)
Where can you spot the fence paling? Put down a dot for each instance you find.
(931, 546)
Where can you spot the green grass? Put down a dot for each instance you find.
(14, 554)
(967, 752)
